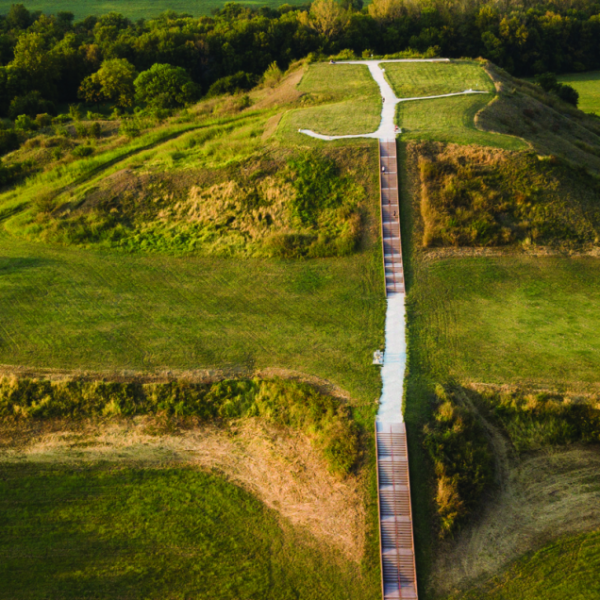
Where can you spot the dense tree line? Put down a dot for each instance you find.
(50, 59)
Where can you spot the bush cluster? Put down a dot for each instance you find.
(460, 453)
(540, 419)
(324, 419)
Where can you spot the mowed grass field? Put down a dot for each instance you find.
(566, 568)
(116, 532)
(413, 80)
(508, 319)
(80, 309)
(352, 102)
(588, 86)
(450, 120)
(133, 9)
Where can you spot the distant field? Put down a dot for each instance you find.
(116, 532)
(509, 319)
(72, 308)
(134, 9)
(566, 568)
(411, 80)
(588, 86)
(352, 96)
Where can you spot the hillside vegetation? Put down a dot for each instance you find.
(471, 195)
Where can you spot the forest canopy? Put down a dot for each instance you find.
(49, 60)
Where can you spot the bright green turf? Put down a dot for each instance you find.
(72, 308)
(588, 86)
(414, 80)
(353, 101)
(507, 319)
(450, 120)
(566, 568)
(133, 9)
(126, 533)
(444, 119)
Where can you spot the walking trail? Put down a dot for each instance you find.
(398, 568)
(394, 365)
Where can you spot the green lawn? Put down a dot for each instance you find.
(71, 308)
(351, 96)
(450, 120)
(413, 80)
(444, 119)
(588, 86)
(566, 568)
(125, 533)
(133, 9)
(508, 319)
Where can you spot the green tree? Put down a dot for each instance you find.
(18, 17)
(165, 86)
(112, 83)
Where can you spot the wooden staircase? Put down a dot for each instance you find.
(399, 575)
(390, 218)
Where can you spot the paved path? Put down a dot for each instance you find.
(387, 127)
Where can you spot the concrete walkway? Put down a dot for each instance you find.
(387, 127)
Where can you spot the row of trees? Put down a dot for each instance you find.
(172, 59)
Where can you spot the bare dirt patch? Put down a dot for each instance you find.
(278, 465)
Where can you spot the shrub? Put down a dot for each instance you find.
(232, 84)
(535, 420)
(81, 130)
(130, 128)
(95, 130)
(9, 141)
(165, 86)
(43, 120)
(24, 123)
(31, 104)
(272, 76)
(463, 463)
(82, 151)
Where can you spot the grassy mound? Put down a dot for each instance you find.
(549, 125)
(289, 404)
(215, 189)
(155, 533)
(566, 567)
(483, 197)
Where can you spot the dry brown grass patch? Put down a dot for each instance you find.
(278, 465)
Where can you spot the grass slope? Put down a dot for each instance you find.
(71, 308)
(352, 103)
(566, 568)
(155, 533)
(444, 119)
(133, 9)
(508, 319)
(588, 86)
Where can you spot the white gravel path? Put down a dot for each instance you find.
(394, 362)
